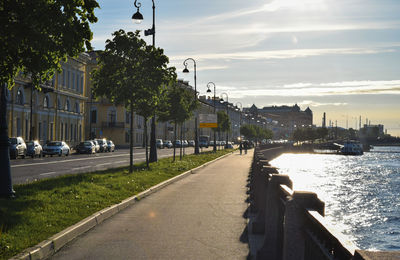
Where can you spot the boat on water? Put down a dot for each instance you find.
(351, 148)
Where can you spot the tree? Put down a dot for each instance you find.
(35, 37)
(156, 76)
(255, 132)
(177, 106)
(224, 124)
(247, 131)
(119, 76)
(322, 133)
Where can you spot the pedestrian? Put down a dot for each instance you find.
(245, 147)
(240, 148)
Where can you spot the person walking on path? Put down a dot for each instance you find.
(245, 147)
(240, 148)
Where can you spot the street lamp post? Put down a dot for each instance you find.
(227, 113)
(138, 18)
(215, 132)
(240, 119)
(196, 137)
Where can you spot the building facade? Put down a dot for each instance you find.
(54, 113)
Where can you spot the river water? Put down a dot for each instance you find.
(361, 193)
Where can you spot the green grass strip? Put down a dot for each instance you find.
(44, 208)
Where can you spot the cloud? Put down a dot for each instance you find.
(285, 54)
(319, 104)
(320, 90)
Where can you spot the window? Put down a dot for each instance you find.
(8, 95)
(127, 117)
(68, 76)
(112, 116)
(77, 109)
(63, 78)
(62, 131)
(67, 106)
(26, 129)
(93, 116)
(126, 137)
(81, 84)
(20, 97)
(73, 80)
(46, 102)
(59, 103)
(77, 82)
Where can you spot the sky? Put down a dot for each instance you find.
(341, 57)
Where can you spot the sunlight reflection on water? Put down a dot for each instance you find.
(361, 193)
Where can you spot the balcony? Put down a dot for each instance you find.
(113, 124)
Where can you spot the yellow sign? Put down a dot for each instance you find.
(208, 121)
(208, 125)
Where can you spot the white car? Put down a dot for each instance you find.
(56, 148)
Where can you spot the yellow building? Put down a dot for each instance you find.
(55, 113)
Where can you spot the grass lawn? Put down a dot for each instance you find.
(44, 208)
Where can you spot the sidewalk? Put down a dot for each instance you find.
(199, 217)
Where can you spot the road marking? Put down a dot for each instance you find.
(47, 173)
(72, 160)
(102, 164)
(121, 162)
(83, 167)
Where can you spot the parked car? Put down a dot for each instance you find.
(159, 143)
(185, 143)
(17, 148)
(229, 145)
(96, 145)
(56, 148)
(191, 143)
(102, 144)
(34, 149)
(168, 144)
(177, 143)
(110, 146)
(86, 147)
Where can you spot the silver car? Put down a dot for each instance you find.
(56, 148)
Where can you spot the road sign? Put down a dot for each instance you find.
(208, 121)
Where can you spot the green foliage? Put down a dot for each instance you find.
(46, 207)
(255, 132)
(224, 122)
(130, 72)
(177, 104)
(309, 134)
(37, 35)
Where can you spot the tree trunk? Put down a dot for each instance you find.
(153, 145)
(131, 142)
(174, 141)
(6, 189)
(180, 148)
(146, 142)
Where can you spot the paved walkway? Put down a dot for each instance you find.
(198, 217)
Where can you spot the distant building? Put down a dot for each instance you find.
(285, 118)
(372, 130)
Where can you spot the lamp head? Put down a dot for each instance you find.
(137, 17)
(185, 70)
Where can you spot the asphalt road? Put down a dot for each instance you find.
(28, 170)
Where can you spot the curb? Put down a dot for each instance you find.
(51, 245)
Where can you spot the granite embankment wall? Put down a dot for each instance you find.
(291, 223)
